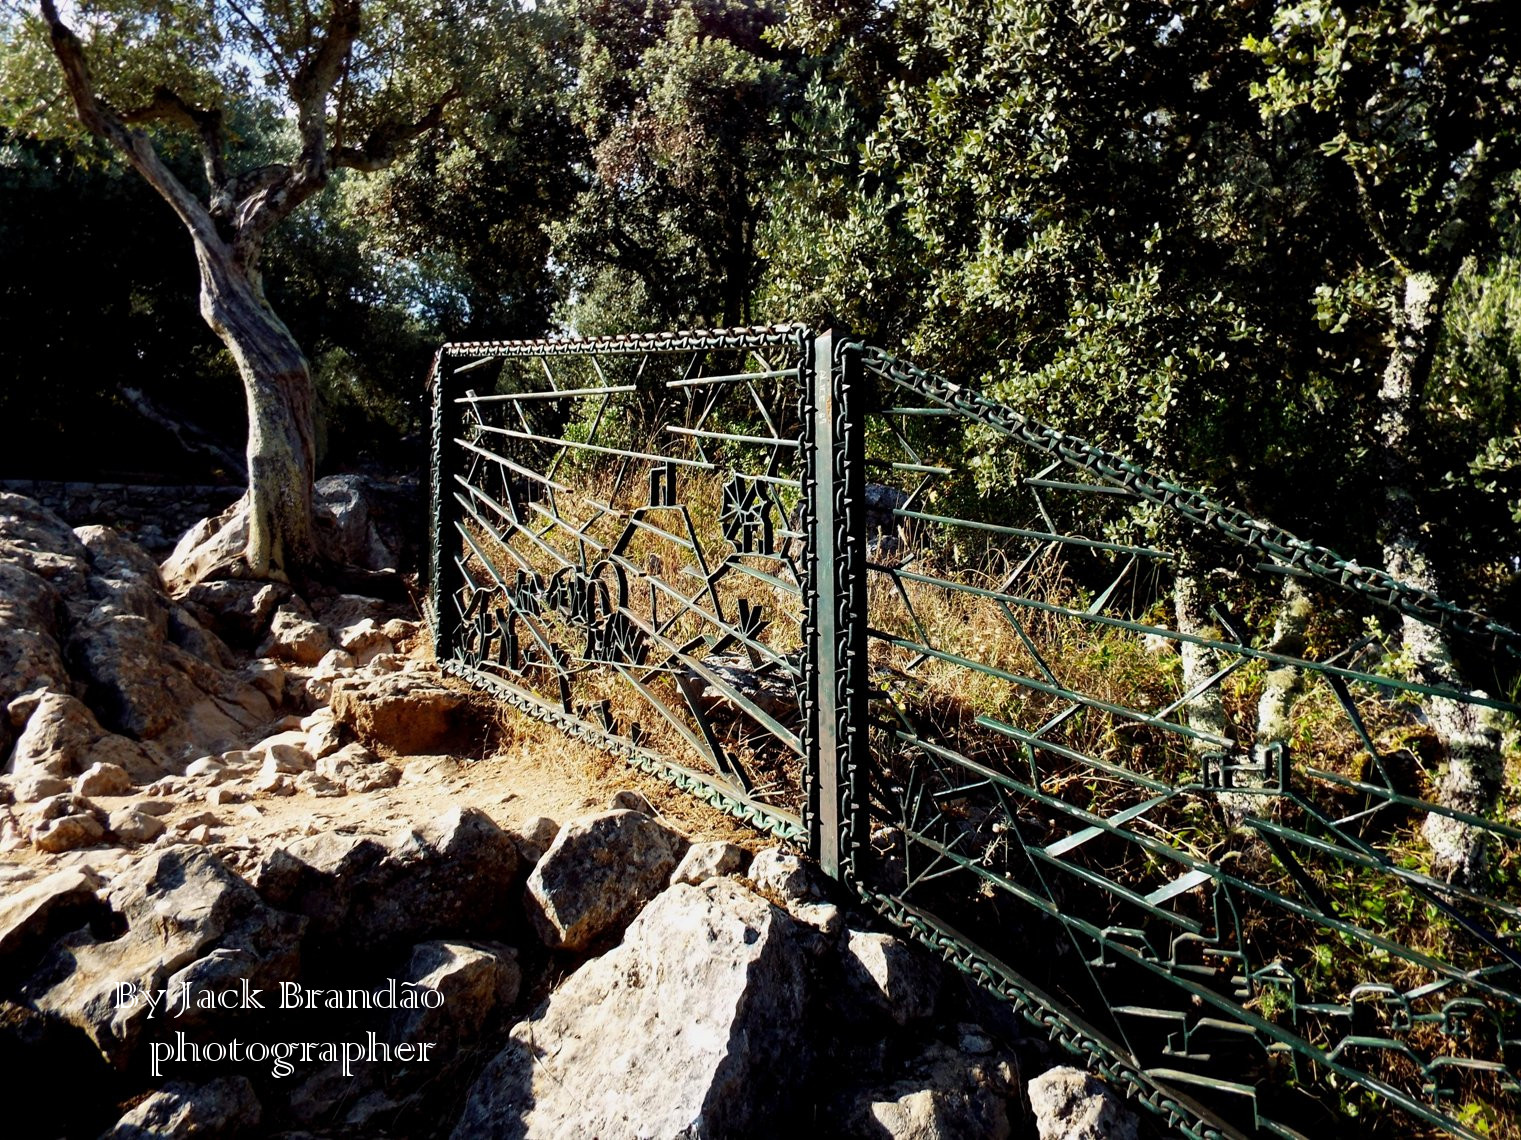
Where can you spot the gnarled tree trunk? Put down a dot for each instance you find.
(281, 433)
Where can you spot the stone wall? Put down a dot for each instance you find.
(153, 515)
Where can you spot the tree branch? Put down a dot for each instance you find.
(168, 107)
(101, 120)
(272, 198)
(274, 56)
(386, 141)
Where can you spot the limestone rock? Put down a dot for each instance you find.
(1069, 1104)
(65, 822)
(210, 545)
(103, 779)
(689, 1028)
(67, 833)
(324, 738)
(534, 837)
(37, 913)
(633, 801)
(189, 922)
(238, 610)
(208, 769)
(410, 713)
(597, 874)
(132, 825)
(42, 561)
(474, 981)
(268, 677)
(293, 637)
(356, 769)
(62, 738)
(225, 1107)
(943, 1096)
(400, 631)
(373, 520)
(707, 861)
(786, 877)
(141, 682)
(450, 878)
(364, 641)
(315, 784)
(887, 973)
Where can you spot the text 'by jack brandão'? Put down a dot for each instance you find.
(176, 1000)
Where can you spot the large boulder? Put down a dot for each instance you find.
(191, 925)
(34, 915)
(474, 981)
(690, 1028)
(450, 878)
(889, 975)
(373, 522)
(597, 874)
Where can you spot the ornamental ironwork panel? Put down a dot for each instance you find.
(1153, 770)
(621, 548)
(1150, 768)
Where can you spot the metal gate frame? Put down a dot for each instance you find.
(838, 381)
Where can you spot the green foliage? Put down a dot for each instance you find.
(677, 103)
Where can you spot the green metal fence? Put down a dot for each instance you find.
(1150, 768)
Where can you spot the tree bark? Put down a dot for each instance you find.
(1283, 684)
(281, 434)
(1205, 713)
(1471, 780)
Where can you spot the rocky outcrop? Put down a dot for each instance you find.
(86, 615)
(692, 1027)
(597, 874)
(450, 877)
(189, 922)
(62, 739)
(30, 918)
(705, 861)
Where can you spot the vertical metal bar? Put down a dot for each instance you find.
(446, 577)
(837, 577)
(853, 673)
(820, 663)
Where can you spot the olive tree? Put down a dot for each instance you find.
(355, 82)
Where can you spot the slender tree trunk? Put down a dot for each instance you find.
(1205, 712)
(1284, 683)
(281, 437)
(1472, 777)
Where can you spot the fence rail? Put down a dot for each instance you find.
(1137, 761)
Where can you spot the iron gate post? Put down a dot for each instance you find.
(446, 460)
(837, 574)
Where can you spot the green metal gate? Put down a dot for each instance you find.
(929, 639)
